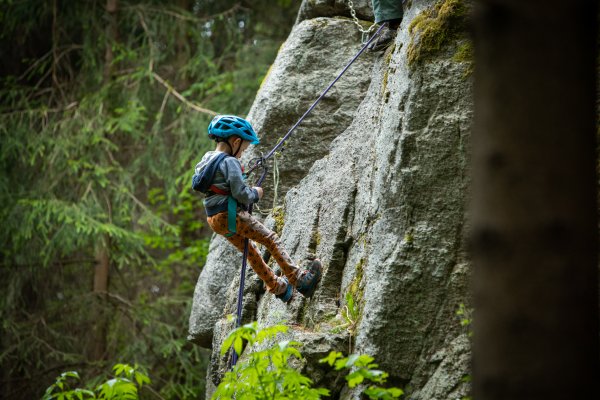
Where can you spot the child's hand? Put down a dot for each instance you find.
(259, 190)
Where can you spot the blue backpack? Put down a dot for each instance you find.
(202, 182)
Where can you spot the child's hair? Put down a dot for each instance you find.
(219, 139)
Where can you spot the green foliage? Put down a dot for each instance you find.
(436, 27)
(352, 310)
(124, 385)
(466, 317)
(350, 314)
(96, 158)
(60, 389)
(363, 370)
(264, 373)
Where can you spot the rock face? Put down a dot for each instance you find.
(382, 205)
(315, 52)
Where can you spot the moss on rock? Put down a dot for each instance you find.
(464, 54)
(388, 59)
(278, 214)
(315, 240)
(436, 27)
(355, 288)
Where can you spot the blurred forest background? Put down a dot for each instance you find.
(104, 109)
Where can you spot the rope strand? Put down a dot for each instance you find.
(275, 188)
(287, 135)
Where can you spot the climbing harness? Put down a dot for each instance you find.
(365, 33)
(232, 205)
(261, 162)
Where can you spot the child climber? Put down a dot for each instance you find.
(233, 135)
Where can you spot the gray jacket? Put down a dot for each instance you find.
(229, 178)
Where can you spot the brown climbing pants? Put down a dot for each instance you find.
(249, 227)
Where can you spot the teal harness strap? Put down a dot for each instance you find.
(232, 213)
(231, 216)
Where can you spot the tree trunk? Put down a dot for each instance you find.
(534, 211)
(101, 279)
(112, 34)
(97, 348)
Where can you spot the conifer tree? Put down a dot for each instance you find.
(104, 106)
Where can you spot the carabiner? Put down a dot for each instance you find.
(365, 37)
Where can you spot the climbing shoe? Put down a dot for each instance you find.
(387, 36)
(286, 295)
(308, 281)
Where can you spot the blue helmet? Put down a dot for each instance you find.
(224, 126)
